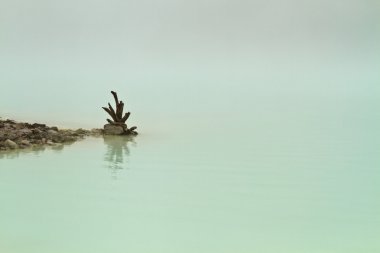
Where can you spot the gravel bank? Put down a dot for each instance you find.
(19, 135)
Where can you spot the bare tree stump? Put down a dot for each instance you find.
(118, 120)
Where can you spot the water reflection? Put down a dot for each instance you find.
(37, 150)
(117, 151)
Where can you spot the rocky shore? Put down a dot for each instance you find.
(18, 135)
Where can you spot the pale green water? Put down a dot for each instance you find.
(294, 186)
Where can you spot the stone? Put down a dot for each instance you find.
(110, 129)
(58, 138)
(96, 131)
(25, 143)
(3, 136)
(54, 135)
(8, 134)
(10, 144)
(81, 131)
(50, 143)
(52, 132)
(36, 125)
(24, 132)
(36, 131)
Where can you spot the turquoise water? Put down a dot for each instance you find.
(310, 184)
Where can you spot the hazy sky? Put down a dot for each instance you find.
(163, 53)
(181, 29)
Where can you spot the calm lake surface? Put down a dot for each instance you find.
(292, 180)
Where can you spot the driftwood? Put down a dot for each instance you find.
(117, 116)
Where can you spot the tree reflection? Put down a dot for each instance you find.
(117, 151)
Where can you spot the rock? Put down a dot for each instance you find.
(113, 129)
(54, 135)
(50, 143)
(96, 131)
(36, 131)
(39, 142)
(3, 137)
(57, 138)
(10, 144)
(54, 128)
(81, 131)
(25, 143)
(24, 132)
(8, 134)
(36, 125)
(18, 126)
(52, 132)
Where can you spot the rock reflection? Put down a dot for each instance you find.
(117, 151)
(36, 150)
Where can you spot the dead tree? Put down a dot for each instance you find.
(117, 116)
